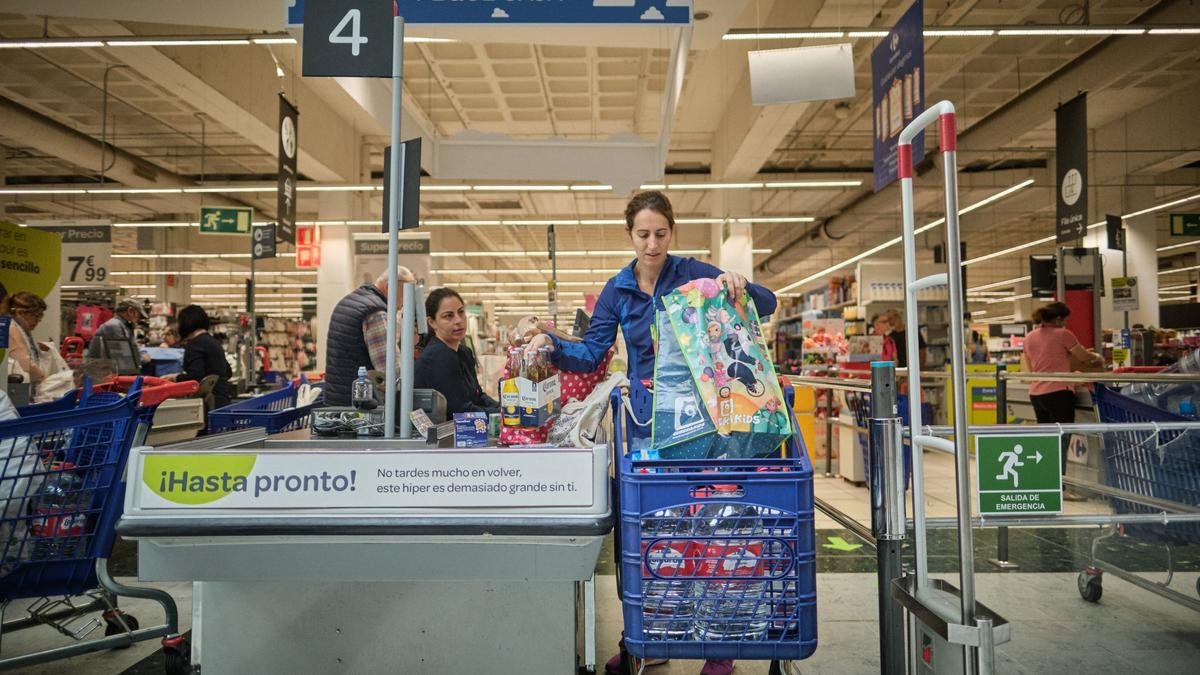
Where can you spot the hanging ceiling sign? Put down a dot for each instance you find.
(86, 254)
(898, 84)
(674, 12)
(1070, 158)
(289, 146)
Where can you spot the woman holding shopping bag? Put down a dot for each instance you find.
(629, 301)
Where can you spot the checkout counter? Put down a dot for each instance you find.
(371, 555)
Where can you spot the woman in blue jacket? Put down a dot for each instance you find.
(630, 299)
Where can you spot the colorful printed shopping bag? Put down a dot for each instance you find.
(724, 350)
(682, 427)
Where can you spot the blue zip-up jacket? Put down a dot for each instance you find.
(623, 304)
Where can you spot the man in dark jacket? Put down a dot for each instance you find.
(357, 336)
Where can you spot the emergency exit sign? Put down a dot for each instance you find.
(1018, 474)
(1185, 224)
(215, 220)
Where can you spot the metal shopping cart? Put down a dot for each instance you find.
(61, 489)
(1159, 470)
(275, 411)
(716, 558)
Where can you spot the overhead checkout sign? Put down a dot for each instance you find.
(674, 12)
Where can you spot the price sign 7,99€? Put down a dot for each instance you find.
(347, 38)
(86, 250)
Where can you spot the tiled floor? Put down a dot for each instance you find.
(1129, 631)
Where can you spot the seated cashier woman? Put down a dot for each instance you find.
(446, 364)
(630, 299)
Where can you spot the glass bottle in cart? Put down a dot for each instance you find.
(732, 595)
(57, 531)
(668, 601)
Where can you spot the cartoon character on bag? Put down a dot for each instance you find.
(744, 367)
(721, 359)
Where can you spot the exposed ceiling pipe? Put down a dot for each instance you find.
(27, 128)
(1106, 62)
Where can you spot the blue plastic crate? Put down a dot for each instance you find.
(1164, 465)
(60, 495)
(734, 539)
(275, 411)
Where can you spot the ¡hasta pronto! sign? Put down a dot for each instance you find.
(364, 480)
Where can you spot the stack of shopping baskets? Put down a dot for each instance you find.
(61, 494)
(716, 556)
(275, 411)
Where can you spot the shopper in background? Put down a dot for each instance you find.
(202, 354)
(446, 364)
(900, 336)
(1049, 348)
(629, 301)
(357, 336)
(26, 310)
(170, 337)
(120, 327)
(977, 350)
(882, 327)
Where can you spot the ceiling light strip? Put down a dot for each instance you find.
(892, 242)
(743, 34)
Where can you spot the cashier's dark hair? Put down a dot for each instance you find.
(191, 319)
(432, 303)
(653, 200)
(1051, 313)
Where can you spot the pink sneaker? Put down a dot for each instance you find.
(722, 667)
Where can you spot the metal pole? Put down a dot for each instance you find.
(407, 362)
(886, 480)
(252, 376)
(962, 467)
(1001, 560)
(395, 206)
(828, 433)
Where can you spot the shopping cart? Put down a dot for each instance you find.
(716, 558)
(152, 392)
(61, 486)
(1161, 467)
(276, 411)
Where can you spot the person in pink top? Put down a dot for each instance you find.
(1048, 349)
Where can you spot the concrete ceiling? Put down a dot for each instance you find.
(186, 113)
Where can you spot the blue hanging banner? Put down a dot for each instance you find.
(898, 81)
(540, 11)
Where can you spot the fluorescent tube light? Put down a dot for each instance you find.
(788, 35)
(959, 32)
(999, 284)
(48, 44)
(173, 42)
(892, 242)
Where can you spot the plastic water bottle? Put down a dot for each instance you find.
(668, 603)
(57, 532)
(362, 392)
(733, 603)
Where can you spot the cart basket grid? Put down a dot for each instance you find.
(276, 411)
(1164, 465)
(60, 491)
(717, 557)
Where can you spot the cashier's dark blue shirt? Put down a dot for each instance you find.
(623, 304)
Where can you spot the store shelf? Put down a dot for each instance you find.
(920, 301)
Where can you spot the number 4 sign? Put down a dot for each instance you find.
(347, 38)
